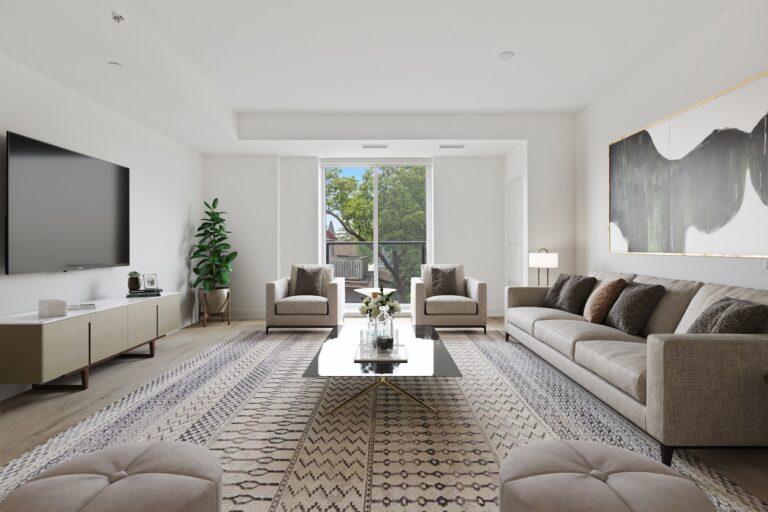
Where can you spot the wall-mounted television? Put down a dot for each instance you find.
(64, 210)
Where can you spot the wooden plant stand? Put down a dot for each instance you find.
(204, 313)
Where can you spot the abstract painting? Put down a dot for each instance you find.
(695, 183)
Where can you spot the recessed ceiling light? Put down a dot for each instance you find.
(452, 146)
(506, 55)
(115, 64)
(375, 146)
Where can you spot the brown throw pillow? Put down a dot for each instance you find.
(601, 301)
(569, 293)
(634, 306)
(309, 281)
(444, 281)
(732, 316)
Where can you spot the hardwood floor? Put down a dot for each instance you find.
(29, 419)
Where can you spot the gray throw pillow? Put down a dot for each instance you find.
(569, 293)
(731, 316)
(444, 281)
(634, 306)
(309, 281)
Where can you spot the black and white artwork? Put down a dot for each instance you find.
(697, 182)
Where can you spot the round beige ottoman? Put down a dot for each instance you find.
(148, 477)
(582, 476)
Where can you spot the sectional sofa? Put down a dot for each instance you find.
(685, 390)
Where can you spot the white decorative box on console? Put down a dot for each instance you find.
(35, 350)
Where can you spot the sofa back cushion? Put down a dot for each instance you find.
(678, 294)
(711, 293)
(327, 277)
(569, 293)
(634, 306)
(426, 276)
(603, 276)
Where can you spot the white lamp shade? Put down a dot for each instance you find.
(542, 259)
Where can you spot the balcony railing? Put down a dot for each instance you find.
(398, 262)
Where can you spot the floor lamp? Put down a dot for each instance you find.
(540, 260)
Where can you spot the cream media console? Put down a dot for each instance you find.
(36, 350)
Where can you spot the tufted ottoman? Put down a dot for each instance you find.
(582, 476)
(147, 477)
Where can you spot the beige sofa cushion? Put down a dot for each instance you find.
(526, 317)
(610, 276)
(426, 277)
(622, 363)
(450, 305)
(327, 278)
(563, 335)
(711, 293)
(677, 295)
(302, 305)
(577, 476)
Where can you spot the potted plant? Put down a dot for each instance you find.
(214, 257)
(134, 283)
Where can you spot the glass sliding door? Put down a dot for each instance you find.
(376, 210)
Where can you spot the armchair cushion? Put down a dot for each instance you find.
(302, 305)
(450, 305)
(327, 277)
(426, 277)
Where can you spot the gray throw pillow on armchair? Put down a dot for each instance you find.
(444, 281)
(569, 293)
(309, 280)
(634, 306)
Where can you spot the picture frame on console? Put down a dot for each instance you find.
(150, 282)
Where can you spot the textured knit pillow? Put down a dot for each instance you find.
(732, 316)
(309, 280)
(569, 293)
(634, 306)
(602, 299)
(444, 281)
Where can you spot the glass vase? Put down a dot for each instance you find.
(385, 333)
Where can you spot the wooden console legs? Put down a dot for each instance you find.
(84, 374)
(151, 352)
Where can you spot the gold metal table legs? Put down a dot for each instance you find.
(382, 382)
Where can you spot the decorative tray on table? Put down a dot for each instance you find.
(368, 353)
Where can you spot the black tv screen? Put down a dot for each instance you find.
(64, 210)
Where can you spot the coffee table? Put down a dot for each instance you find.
(427, 357)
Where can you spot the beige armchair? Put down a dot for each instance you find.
(468, 308)
(286, 309)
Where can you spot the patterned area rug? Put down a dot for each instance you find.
(246, 399)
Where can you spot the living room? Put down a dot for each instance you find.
(430, 256)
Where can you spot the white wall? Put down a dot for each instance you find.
(551, 155)
(247, 188)
(724, 52)
(166, 190)
(299, 223)
(469, 221)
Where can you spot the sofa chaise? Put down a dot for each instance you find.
(685, 390)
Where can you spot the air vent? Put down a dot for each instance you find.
(375, 146)
(452, 146)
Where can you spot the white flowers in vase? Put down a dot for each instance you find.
(378, 303)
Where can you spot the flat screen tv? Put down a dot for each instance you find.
(64, 210)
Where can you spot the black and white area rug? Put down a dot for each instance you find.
(281, 449)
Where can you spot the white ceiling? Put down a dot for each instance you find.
(191, 65)
(425, 55)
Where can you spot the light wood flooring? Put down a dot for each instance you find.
(31, 418)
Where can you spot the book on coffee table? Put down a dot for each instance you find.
(369, 354)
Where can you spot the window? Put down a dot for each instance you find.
(376, 210)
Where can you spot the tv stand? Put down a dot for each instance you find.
(37, 351)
